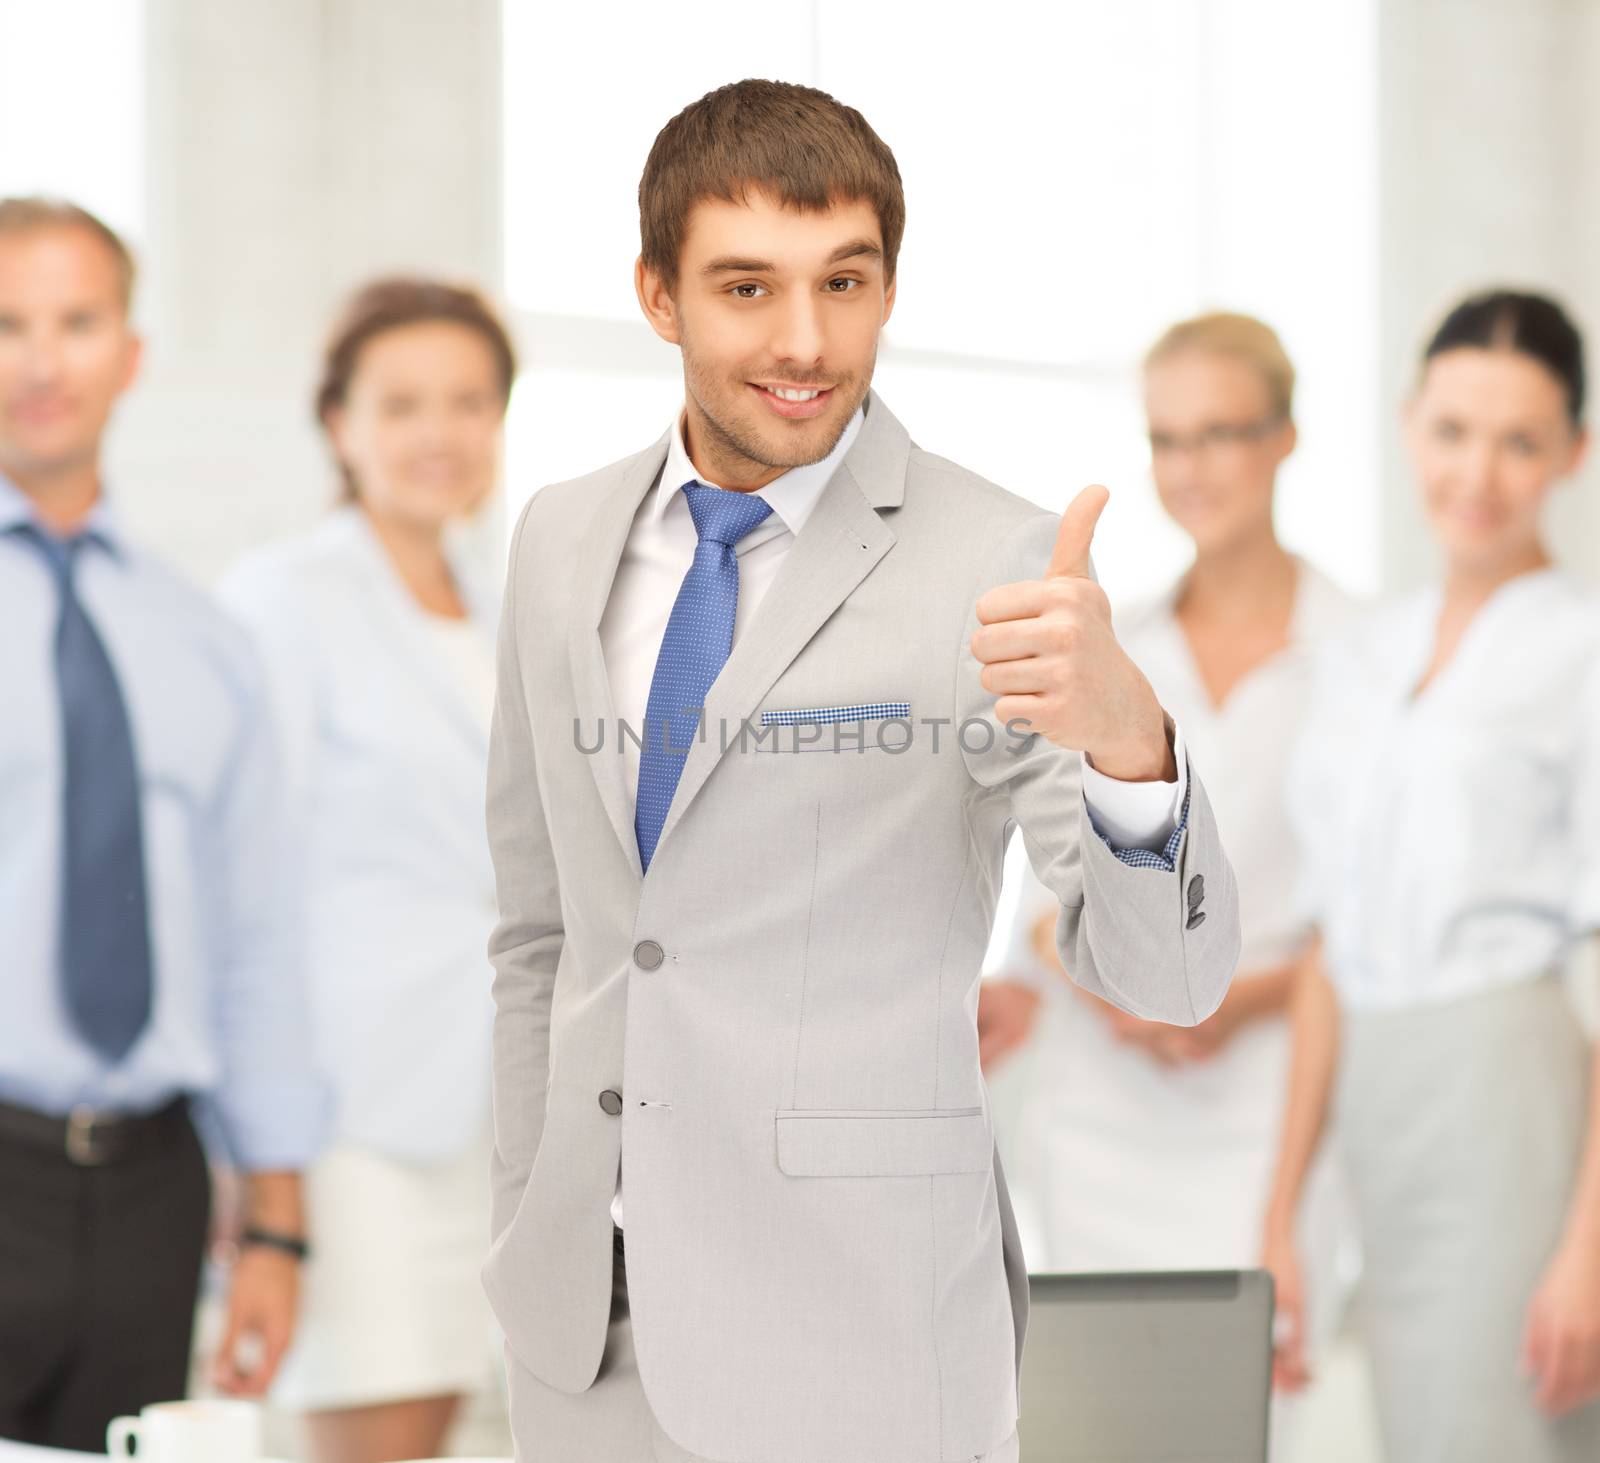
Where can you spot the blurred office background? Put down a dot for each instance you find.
(1078, 175)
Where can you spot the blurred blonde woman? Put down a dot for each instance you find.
(1448, 796)
(1155, 1144)
(380, 641)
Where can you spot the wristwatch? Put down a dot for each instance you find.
(270, 1239)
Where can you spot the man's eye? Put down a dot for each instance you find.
(748, 291)
(842, 286)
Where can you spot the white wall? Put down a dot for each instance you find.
(294, 149)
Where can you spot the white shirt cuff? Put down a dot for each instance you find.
(1137, 814)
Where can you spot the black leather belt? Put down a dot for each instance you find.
(90, 1137)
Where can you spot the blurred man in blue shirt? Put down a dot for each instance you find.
(148, 935)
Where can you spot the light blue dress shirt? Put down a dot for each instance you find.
(228, 1021)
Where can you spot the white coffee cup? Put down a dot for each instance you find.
(204, 1431)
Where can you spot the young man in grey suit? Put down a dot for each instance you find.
(772, 693)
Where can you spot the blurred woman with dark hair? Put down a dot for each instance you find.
(380, 644)
(1447, 795)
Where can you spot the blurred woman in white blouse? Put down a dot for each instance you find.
(380, 638)
(1447, 793)
(1155, 1144)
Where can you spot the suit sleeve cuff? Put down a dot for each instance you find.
(1137, 815)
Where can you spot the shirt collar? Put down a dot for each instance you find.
(792, 494)
(102, 524)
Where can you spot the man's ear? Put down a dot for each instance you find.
(888, 301)
(133, 360)
(655, 299)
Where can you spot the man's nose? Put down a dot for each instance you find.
(42, 357)
(798, 335)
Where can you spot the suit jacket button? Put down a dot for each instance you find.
(1196, 919)
(647, 955)
(1197, 890)
(611, 1102)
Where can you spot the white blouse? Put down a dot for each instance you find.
(1452, 838)
(1241, 749)
(1111, 1135)
(467, 655)
(383, 714)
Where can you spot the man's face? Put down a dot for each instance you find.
(66, 350)
(777, 313)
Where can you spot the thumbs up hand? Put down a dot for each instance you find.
(1050, 657)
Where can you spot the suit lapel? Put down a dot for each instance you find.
(841, 542)
(599, 554)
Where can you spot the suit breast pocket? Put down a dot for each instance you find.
(861, 726)
(883, 1143)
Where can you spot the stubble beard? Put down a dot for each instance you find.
(736, 451)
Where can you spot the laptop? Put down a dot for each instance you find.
(1148, 1368)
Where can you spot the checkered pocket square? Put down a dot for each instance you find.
(831, 715)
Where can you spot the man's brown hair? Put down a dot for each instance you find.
(794, 142)
(33, 215)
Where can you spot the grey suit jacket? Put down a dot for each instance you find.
(774, 1030)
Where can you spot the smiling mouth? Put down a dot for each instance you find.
(43, 409)
(794, 403)
(793, 393)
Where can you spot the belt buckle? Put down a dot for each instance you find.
(81, 1148)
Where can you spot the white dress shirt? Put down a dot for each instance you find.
(229, 1016)
(1450, 836)
(658, 553)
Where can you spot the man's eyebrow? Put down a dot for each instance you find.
(856, 249)
(731, 264)
(736, 264)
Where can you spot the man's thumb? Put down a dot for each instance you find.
(1070, 557)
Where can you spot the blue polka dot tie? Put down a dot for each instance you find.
(696, 645)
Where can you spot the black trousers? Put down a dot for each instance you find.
(99, 1274)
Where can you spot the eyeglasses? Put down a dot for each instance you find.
(1217, 435)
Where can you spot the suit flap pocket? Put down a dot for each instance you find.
(883, 1143)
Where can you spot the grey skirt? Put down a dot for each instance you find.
(1461, 1128)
